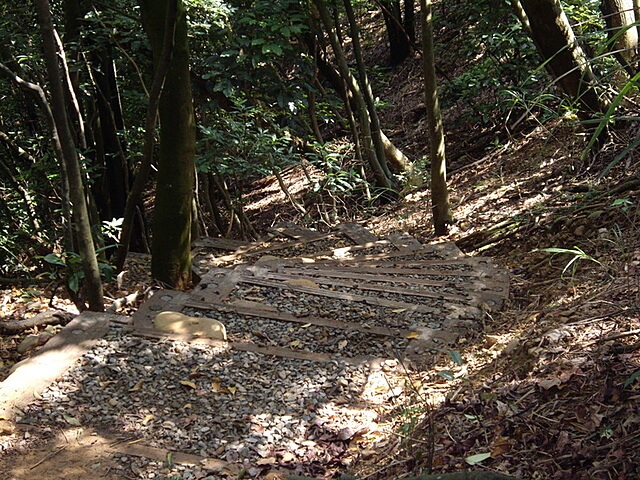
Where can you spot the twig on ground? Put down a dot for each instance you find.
(51, 455)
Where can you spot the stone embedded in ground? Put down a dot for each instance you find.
(174, 322)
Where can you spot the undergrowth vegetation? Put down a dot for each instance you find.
(266, 104)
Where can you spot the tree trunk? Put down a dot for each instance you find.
(558, 46)
(114, 161)
(37, 93)
(381, 178)
(440, 205)
(376, 133)
(622, 31)
(86, 250)
(400, 31)
(212, 210)
(393, 154)
(107, 152)
(171, 247)
(134, 199)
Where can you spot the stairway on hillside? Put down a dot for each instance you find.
(346, 295)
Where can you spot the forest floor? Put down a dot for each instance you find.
(552, 389)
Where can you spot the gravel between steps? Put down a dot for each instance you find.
(236, 406)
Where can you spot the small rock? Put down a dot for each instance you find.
(175, 322)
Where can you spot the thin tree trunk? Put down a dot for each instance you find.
(40, 98)
(393, 154)
(381, 178)
(313, 116)
(287, 193)
(74, 114)
(439, 193)
(142, 175)
(399, 38)
(86, 250)
(376, 133)
(205, 191)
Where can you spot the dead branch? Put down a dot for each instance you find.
(49, 317)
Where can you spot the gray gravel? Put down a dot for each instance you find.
(237, 406)
(319, 306)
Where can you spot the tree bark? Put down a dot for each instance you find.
(376, 133)
(171, 247)
(440, 205)
(393, 154)
(111, 185)
(622, 32)
(162, 66)
(86, 250)
(556, 42)
(400, 31)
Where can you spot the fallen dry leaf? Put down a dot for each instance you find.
(136, 387)
(302, 282)
(287, 457)
(217, 387)
(500, 445)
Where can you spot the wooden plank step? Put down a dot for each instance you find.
(405, 242)
(404, 276)
(332, 281)
(218, 243)
(256, 309)
(446, 309)
(356, 232)
(161, 300)
(296, 232)
(359, 254)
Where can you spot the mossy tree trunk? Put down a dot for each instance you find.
(440, 205)
(171, 247)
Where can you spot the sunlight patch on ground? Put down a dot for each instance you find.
(271, 195)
